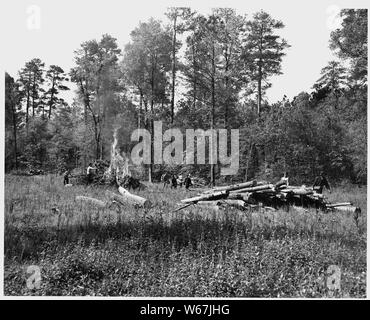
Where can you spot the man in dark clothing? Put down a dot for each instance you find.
(165, 178)
(66, 177)
(320, 182)
(188, 182)
(174, 182)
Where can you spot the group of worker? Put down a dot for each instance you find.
(89, 175)
(320, 182)
(174, 181)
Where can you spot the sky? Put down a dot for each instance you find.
(52, 30)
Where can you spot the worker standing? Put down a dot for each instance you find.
(320, 182)
(285, 179)
(90, 173)
(165, 178)
(179, 181)
(174, 182)
(188, 182)
(66, 177)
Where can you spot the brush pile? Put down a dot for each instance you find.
(255, 195)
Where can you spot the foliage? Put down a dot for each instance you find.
(218, 62)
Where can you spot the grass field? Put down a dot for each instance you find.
(193, 252)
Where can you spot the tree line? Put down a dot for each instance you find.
(196, 71)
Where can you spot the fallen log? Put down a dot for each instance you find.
(133, 197)
(339, 204)
(266, 191)
(348, 209)
(254, 189)
(240, 196)
(300, 192)
(213, 196)
(128, 198)
(234, 186)
(94, 201)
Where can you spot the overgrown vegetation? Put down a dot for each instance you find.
(194, 252)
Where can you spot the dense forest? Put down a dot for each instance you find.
(196, 71)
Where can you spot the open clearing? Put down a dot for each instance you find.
(83, 250)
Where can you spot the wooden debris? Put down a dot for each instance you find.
(300, 191)
(340, 204)
(212, 196)
(128, 198)
(348, 209)
(257, 188)
(262, 195)
(234, 187)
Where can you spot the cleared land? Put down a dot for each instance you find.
(87, 250)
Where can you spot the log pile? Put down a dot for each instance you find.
(259, 194)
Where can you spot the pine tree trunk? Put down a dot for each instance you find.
(51, 98)
(213, 112)
(150, 173)
(33, 96)
(85, 137)
(15, 133)
(173, 70)
(259, 94)
(27, 106)
(194, 79)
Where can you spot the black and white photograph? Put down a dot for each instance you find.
(184, 149)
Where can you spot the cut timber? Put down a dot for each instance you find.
(267, 191)
(134, 198)
(300, 192)
(94, 201)
(212, 196)
(234, 186)
(128, 198)
(339, 204)
(257, 188)
(123, 191)
(348, 209)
